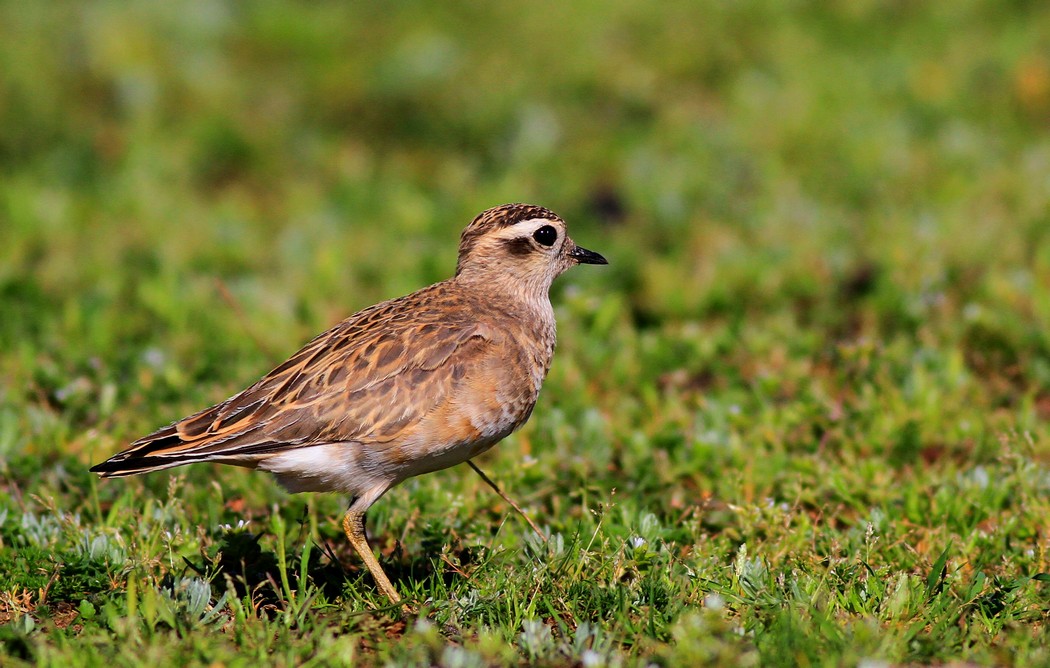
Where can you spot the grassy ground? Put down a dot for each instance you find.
(800, 419)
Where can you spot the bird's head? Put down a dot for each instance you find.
(521, 243)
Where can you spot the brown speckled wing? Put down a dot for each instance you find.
(366, 380)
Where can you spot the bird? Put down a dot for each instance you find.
(408, 386)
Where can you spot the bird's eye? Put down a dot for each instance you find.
(546, 235)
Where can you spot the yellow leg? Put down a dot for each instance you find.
(354, 526)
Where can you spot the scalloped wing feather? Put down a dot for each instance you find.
(366, 380)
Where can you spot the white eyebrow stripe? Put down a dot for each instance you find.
(525, 226)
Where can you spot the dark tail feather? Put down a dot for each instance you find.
(139, 459)
(114, 468)
(148, 454)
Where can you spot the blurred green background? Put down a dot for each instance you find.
(855, 171)
(828, 226)
(710, 145)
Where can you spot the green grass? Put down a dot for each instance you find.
(800, 419)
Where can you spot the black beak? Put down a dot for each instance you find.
(584, 256)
